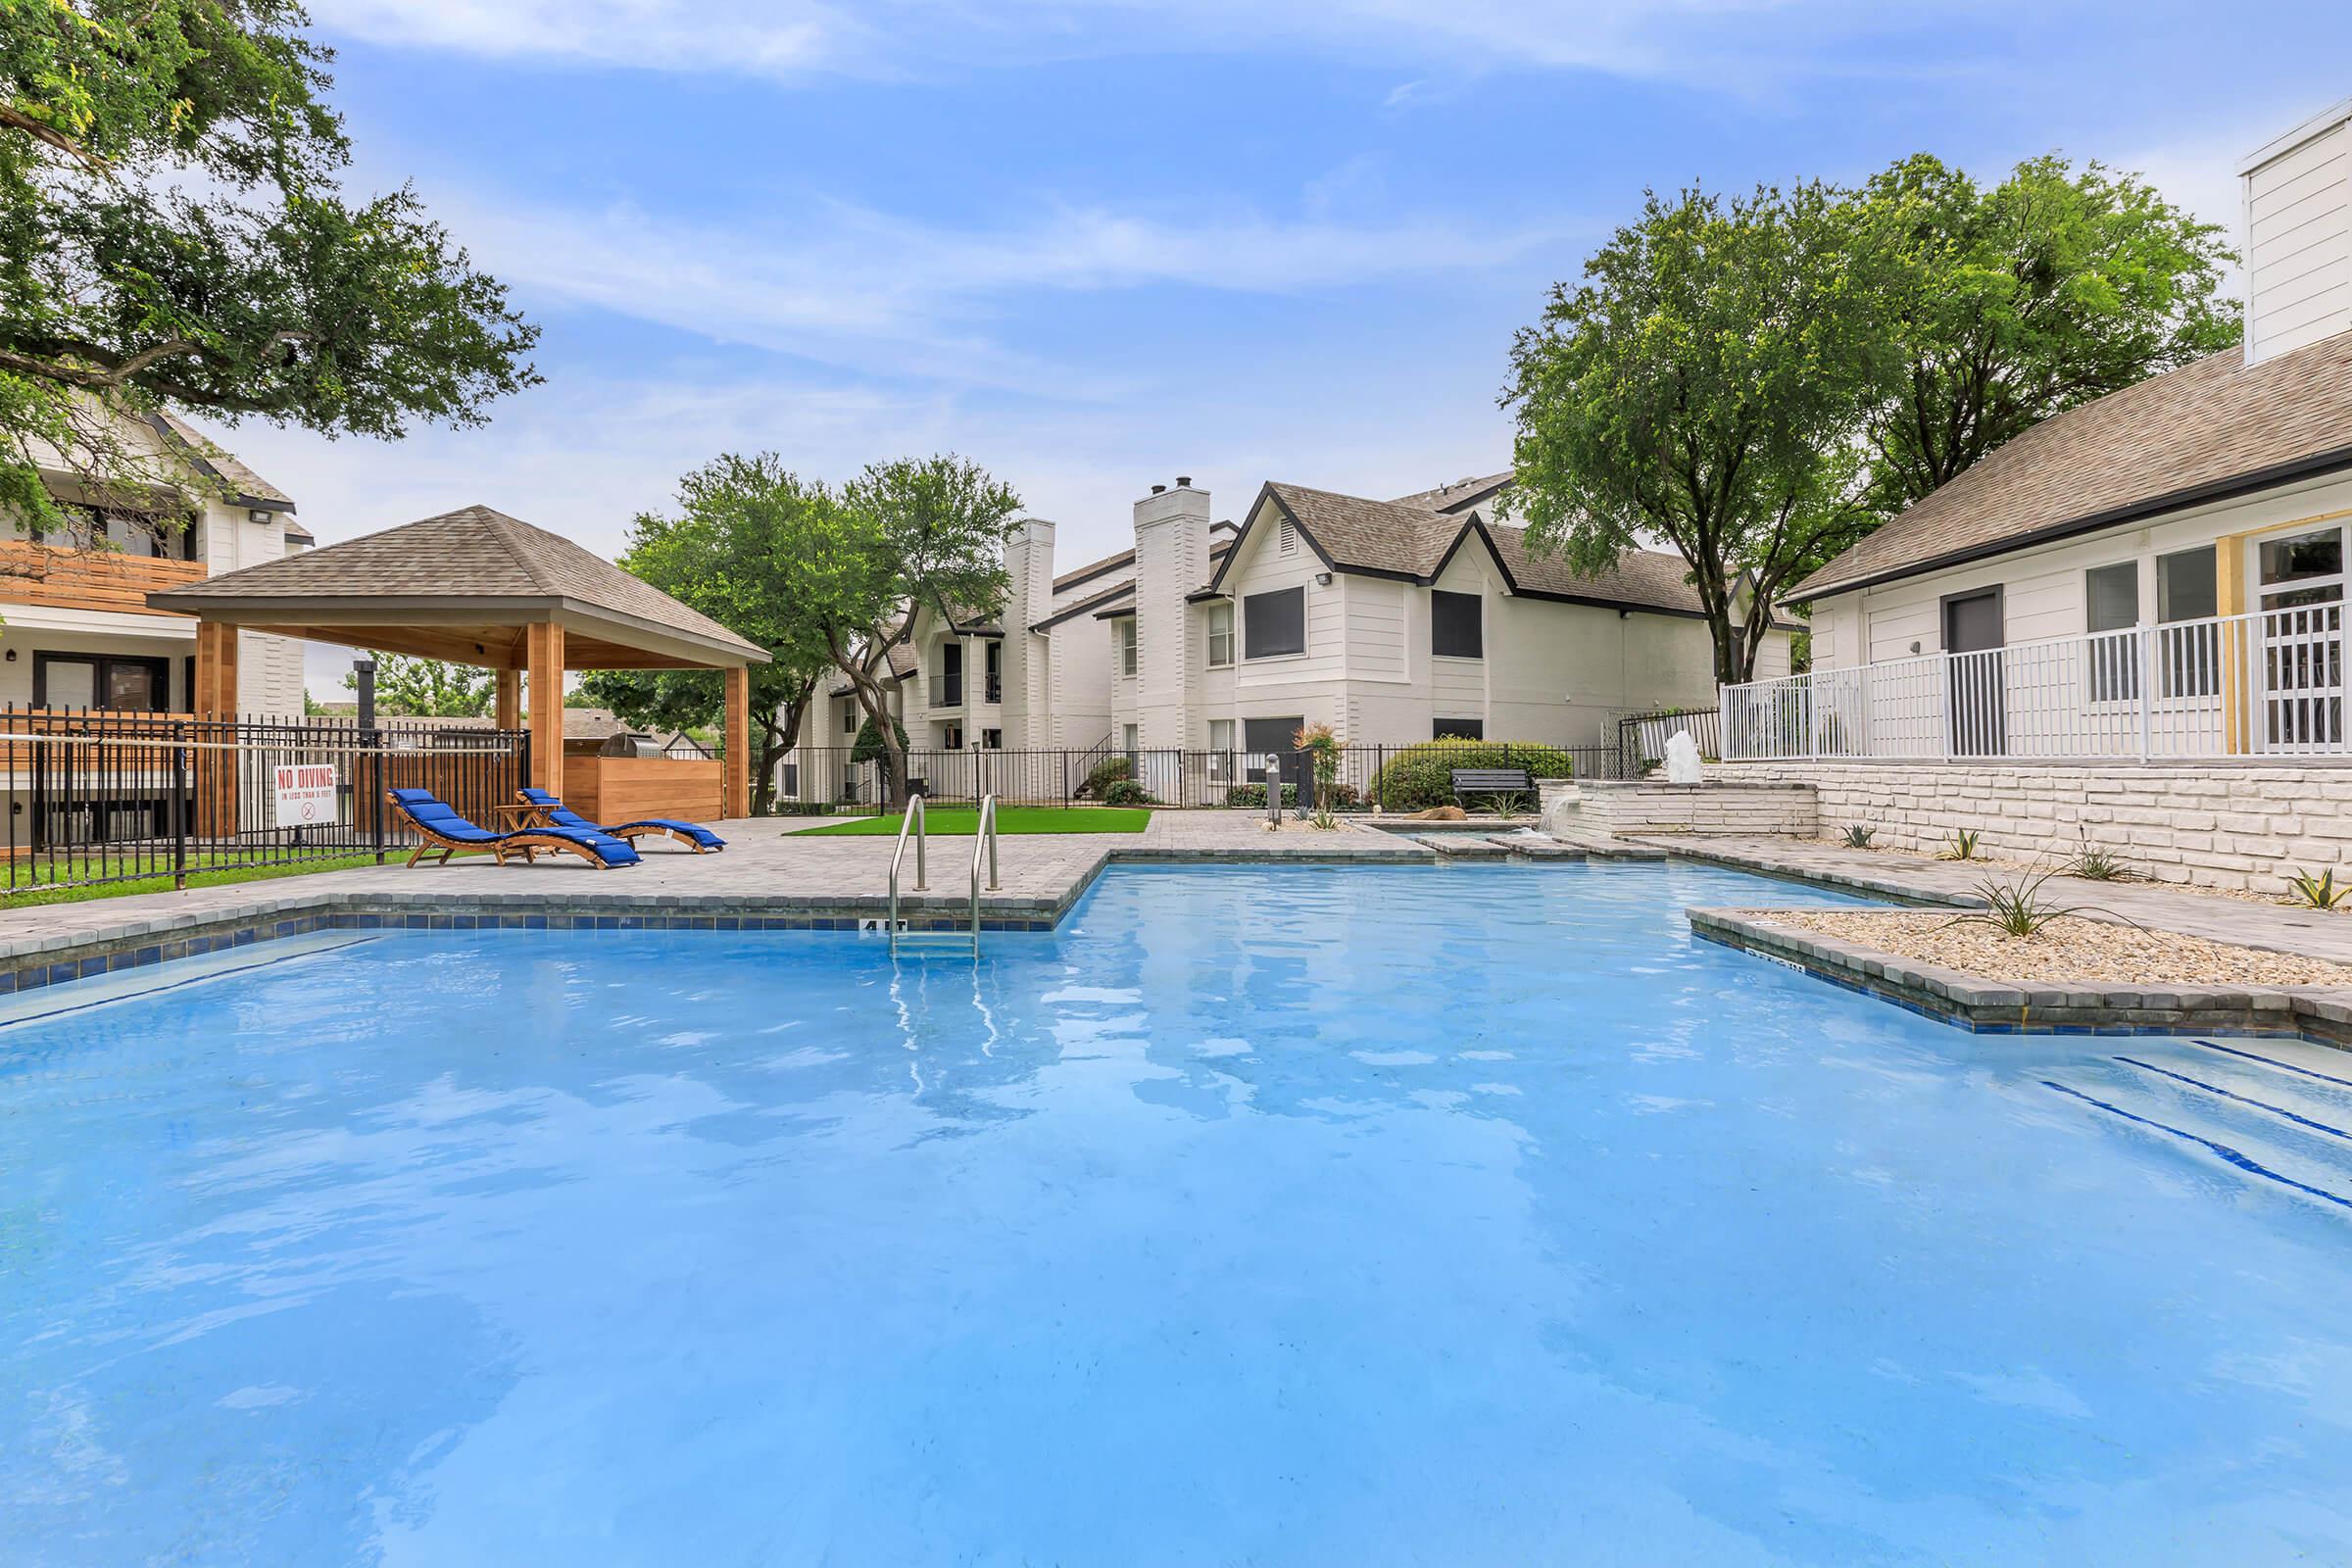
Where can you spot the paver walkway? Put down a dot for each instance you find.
(2272, 926)
(767, 863)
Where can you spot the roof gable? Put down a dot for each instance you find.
(474, 556)
(2207, 430)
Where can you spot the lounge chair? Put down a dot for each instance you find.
(693, 835)
(443, 829)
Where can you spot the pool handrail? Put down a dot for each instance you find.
(984, 840)
(915, 819)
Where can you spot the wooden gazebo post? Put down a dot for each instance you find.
(215, 698)
(543, 657)
(735, 789)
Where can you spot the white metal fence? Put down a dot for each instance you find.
(2266, 683)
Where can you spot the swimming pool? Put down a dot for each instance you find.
(1471, 1216)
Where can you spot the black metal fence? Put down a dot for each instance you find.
(1642, 737)
(839, 780)
(96, 797)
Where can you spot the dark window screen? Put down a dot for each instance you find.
(1274, 623)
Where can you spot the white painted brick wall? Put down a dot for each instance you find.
(2247, 827)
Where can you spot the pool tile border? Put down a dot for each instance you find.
(2321, 1014)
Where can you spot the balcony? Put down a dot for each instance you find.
(947, 691)
(2271, 683)
(75, 579)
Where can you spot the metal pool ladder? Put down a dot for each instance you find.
(984, 843)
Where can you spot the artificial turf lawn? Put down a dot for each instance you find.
(950, 821)
(199, 876)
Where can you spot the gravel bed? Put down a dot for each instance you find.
(2068, 949)
(1994, 863)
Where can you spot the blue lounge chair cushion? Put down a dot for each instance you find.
(431, 812)
(564, 817)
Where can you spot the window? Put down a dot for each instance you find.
(1127, 739)
(1457, 729)
(1221, 633)
(112, 681)
(1279, 736)
(848, 717)
(2111, 602)
(950, 738)
(1220, 749)
(1455, 630)
(991, 740)
(947, 686)
(1122, 644)
(790, 787)
(993, 669)
(1274, 623)
(2190, 658)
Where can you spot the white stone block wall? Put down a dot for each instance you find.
(2242, 827)
(1719, 806)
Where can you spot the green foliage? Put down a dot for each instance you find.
(1255, 795)
(1322, 748)
(427, 688)
(1858, 837)
(2095, 865)
(1115, 768)
(2318, 892)
(172, 235)
(2018, 909)
(738, 550)
(2010, 304)
(1127, 792)
(581, 696)
(1761, 380)
(1963, 846)
(1422, 776)
(866, 746)
(1703, 386)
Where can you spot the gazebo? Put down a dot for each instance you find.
(474, 587)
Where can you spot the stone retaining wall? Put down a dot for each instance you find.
(2219, 824)
(1610, 807)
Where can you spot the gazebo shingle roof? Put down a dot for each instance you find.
(474, 554)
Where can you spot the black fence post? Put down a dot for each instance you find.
(179, 805)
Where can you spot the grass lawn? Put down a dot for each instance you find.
(197, 878)
(952, 820)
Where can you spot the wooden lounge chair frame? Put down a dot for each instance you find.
(526, 843)
(629, 831)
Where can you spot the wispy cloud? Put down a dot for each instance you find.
(1746, 43)
(848, 285)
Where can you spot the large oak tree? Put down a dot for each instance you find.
(173, 234)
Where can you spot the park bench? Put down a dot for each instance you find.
(1491, 782)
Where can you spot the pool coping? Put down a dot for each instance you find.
(2321, 1014)
(31, 962)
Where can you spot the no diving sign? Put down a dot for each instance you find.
(306, 793)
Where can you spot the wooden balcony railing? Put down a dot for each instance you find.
(78, 579)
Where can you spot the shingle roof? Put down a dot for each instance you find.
(2172, 440)
(1394, 539)
(471, 553)
(1460, 494)
(226, 466)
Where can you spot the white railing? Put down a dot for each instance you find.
(2270, 683)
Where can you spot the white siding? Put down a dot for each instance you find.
(2298, 214)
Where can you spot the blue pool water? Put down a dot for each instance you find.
(1356, 1217)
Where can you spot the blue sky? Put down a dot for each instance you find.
(1097, 243)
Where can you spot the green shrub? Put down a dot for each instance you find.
(1422, 776)
(1116, 769)
(1126, 792)
(1255, 795)
(867, 747)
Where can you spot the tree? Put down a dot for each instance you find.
(915, 534)
(427, 688)
(1704, 385)
(171, 235)
(2010, 305)
(749, 548)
